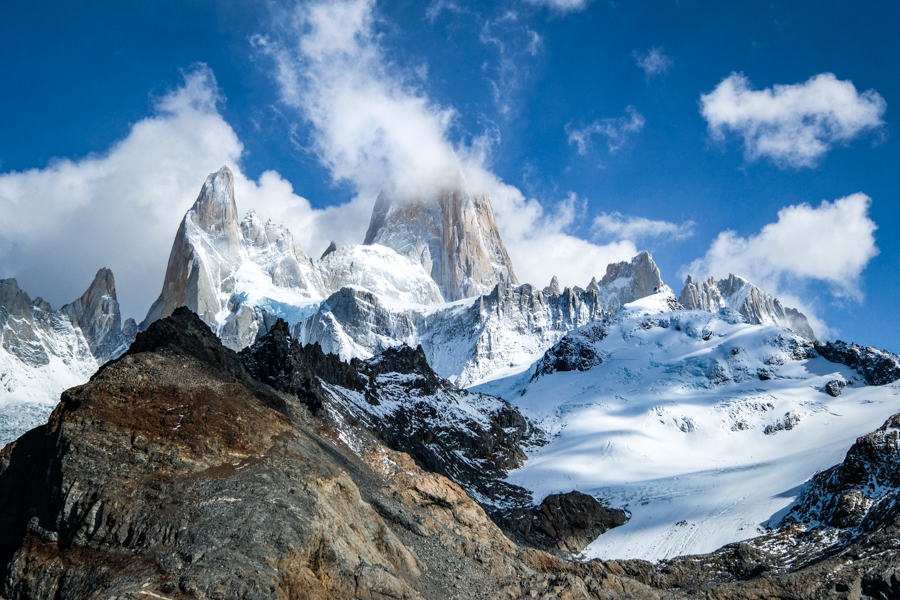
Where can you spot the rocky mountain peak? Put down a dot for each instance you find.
(553, 289)
(331, 248)
(215, 211)
(97, 314)
(640, 271)
(451, 233)
(736, 293)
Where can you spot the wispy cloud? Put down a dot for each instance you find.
(615, 130)
(626, 227)
(793, 125)
(561, 6)
(653, 62)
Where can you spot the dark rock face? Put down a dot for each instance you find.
(835, 387)
(470, 438)
(574, 352)
(863, 492)
(332, 247)
(566, 521)
(878, 367)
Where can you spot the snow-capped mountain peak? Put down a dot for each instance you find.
(739, 295)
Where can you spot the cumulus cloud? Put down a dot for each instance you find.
(615, 130)
(832, 242)
(624, 227)
(372, 126)
(653, 62)
(793, 125)
(121, 209)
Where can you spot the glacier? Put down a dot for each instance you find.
(705, 427)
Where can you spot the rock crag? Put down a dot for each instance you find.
(452, 234)
(737, 294)
(44, 351)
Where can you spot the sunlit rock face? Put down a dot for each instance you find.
(451, 233)
(205, 254)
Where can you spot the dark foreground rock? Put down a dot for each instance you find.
(396, 397)
(175, 474)
(566, 521)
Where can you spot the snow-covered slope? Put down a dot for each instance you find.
(704, 426)
(43, 351)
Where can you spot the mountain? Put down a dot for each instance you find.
(176, 473)
(704, 426)
(359, 300)
(452, 234)
(739, 295)
(43, 351)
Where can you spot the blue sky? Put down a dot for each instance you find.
(599, 128)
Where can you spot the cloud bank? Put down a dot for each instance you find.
(793, 125)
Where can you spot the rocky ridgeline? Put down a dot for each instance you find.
(396, 397)
(878, 367)
(739, 295)
(357, 301)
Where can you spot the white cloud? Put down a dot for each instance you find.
(794, 125)
(623, 227)
(615, 130)
(373, 128)
(653, 62)
(832, 242)
(561, 6)
(121, 209)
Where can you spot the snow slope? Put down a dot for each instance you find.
(702, 426)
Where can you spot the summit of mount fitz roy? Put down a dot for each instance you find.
(454, 237)
(433, 272)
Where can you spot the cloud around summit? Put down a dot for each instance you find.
(374, 125)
